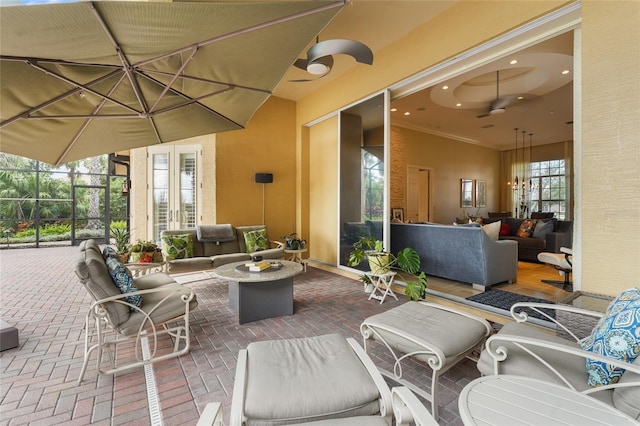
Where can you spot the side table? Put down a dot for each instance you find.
(382, 285)
(143, 268)
(296, 256)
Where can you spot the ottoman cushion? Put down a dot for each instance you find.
(452, 333)
(306, 379)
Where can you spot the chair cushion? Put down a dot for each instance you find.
(452, 333)
(308, 379)
(177, 246)
(95, 276)
(615, 336)
(256, 240)
(627, 399)
(172, 307)
(122, 279)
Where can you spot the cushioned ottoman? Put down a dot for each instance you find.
(305, 380)
(437, 335)
(8, 336)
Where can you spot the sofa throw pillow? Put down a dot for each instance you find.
(122, 279)
(526, 228)
(505, 230)
(256, 240)
(543, 227)
(177, 246)
(615, 336)
(492, 230)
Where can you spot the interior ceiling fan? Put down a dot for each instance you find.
(500, 104)
(319, 59)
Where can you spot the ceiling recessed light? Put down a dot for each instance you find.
(565, 72)
(520, 98)
(407, 113)
(458, 104)
(394, 109)
(513, 61)
(445, 87)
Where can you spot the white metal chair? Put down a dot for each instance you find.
(114, 319)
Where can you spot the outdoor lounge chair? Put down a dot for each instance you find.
(526, 350)
(114, 318)
(325, 379)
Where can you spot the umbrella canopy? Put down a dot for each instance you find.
(88, 78)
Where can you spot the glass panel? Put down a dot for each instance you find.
(160, 187)
(187, 190)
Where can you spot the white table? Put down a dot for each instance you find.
(296, 256)
(510, 400)
(381, 285)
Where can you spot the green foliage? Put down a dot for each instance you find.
(48, 229)
(143, 246)
(416, 290)
(121, 236)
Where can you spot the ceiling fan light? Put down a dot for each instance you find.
(497, 111)
(317, 68)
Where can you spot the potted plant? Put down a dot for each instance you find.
(121, 237)
(293, 242)
(143, 251)
(380, 262)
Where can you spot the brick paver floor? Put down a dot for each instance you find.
(43, 299)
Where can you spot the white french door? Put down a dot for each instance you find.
(174, 187)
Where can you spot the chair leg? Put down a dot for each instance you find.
(567, 285)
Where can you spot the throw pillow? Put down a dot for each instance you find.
(615, 336)
(122, 279)
(177, 246)
(256, 240)
(493, 230)
(505, 230)
(542, 229)
(526, 228)
(109, 252)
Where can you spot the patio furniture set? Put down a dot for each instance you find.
(332, 380)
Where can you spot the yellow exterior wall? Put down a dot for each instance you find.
(267, 145)
(449, 161)
(610, 151)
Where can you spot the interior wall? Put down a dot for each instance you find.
(449, 161)
(610, 150)
(323, 191)
(266, 145)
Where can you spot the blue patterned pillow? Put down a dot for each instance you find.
(617, 335)
(123, 281)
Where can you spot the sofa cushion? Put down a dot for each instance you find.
(543, 227)
(177, 246)
(122, 279)
(615, 336)
(505, 230)
(256, 240)
(526, 228)
(492, 230)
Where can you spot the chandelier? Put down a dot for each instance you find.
(521, 185)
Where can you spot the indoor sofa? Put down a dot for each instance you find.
(461, 253)
(549, 238)
(215, 245)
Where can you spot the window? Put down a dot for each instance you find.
(373, 187)
(549, 188)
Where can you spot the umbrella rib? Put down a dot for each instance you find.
(126, 66)
(204, 80)
(167, 87)
(78, 88)
(246, 30)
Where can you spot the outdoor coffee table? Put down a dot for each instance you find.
(259, 295)
(510, 400)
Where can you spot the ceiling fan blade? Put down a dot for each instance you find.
(486, 114)
(359, 51)
(301, 63)
(502, 102)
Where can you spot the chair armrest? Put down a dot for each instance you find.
(495, 347)
(407, 408)
(277, 244)
(522, 316)
(211, 416)
(120, 298)
(239, 390)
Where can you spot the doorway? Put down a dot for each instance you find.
(418, 194)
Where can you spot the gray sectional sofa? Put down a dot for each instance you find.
(461, 253)
(211, 252)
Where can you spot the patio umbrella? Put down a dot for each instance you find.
(88, 78)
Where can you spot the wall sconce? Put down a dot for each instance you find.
(264, 178)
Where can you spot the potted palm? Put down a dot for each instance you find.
(380, 261)
(121, 237)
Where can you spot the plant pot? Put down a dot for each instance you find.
(378, 263)
(142, 256)
(368, 288)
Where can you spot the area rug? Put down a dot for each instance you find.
(503, 300)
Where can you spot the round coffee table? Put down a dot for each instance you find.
(259, 295)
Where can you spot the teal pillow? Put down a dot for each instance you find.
(177, 246)
(256, 240)
(617, 335)
(124, 281)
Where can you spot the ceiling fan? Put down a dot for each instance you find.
(319, 59)
(500, 104)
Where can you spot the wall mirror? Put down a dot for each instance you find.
(466, 192)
